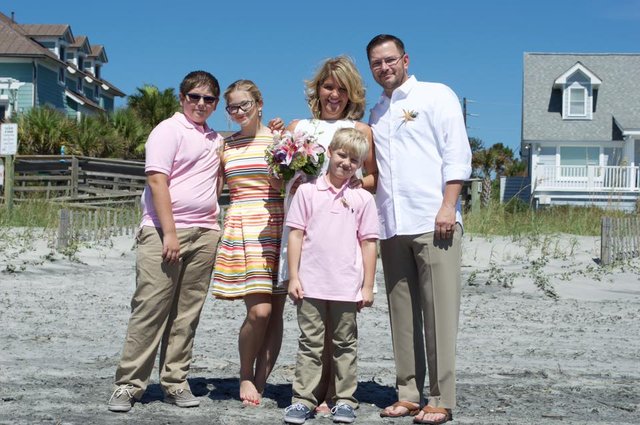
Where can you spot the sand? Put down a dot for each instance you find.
(523, 357)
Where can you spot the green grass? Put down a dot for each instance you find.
(518, 220)
(30, 213)
(505, 220)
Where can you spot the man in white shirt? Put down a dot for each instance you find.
(423, 157)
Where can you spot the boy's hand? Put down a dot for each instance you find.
(170, 249)
(295, 290)
(276, 124)
(367, 299)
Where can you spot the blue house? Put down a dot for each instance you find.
(46, 65)
(581, 128)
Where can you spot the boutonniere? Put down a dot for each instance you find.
(409, 115)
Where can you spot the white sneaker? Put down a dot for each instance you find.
(182, 398)
(121, 400)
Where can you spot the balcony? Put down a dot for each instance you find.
(591, 178)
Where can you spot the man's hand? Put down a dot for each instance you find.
(445, 222)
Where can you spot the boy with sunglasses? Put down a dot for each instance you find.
(176, 246)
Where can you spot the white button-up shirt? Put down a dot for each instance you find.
(421, 143)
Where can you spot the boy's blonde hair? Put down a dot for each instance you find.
(352, 141)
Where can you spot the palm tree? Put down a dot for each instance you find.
(491, 161)
(152, 105)
(97, 137)
(131, 131)
(43, 130)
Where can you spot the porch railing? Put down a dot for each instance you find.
(591, 178)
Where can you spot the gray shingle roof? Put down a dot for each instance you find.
(15, 42)
(48, 30)
(98, 51)
(617, 99)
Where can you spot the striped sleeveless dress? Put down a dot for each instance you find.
(247, 256)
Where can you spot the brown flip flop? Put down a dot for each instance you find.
(412, 409)
(448, 416)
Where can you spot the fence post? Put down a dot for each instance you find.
(476, 189)
(74, 176)
(9, 177)
(605, 241)
(64, 229)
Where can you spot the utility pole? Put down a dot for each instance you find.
(464, 111)
(465, 114)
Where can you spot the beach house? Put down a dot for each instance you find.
(46, 65)
(581, 128)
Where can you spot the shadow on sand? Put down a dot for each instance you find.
(369, 392)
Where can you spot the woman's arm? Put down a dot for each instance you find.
(370, 168)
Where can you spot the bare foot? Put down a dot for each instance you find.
(323, 408)
(399, 409)
(433, 415)
(249, 394)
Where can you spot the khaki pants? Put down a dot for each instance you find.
(312, 319)
(422, 278)
(165, 308)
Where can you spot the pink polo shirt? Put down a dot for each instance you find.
(189, 155)
(334, 223)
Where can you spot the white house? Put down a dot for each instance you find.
(581, 128)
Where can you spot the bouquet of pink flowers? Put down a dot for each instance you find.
(292, 155)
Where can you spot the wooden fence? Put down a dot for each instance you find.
(76, 226)
(620, 239)
(77, 180)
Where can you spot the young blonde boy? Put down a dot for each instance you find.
(332, 260)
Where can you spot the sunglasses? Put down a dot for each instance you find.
(195, 98)
(244, 107)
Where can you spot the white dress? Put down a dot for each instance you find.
(323, 131)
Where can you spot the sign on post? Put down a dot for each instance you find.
(8, 139)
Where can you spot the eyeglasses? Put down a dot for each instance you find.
(390, 61)
(195, 98)
(243, 106)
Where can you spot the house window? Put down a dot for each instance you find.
(97, 71)
(80, 84)
(96, 92)
(575, 159)
(577, 102)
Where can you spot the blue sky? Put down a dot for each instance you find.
(474, 46)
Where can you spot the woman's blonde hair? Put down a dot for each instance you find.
(352, 141)
(344, 71)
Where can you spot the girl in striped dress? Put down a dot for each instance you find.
(247, 258)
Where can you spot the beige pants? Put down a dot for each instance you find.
(165, 308)
(422, 278)
(312, 319)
